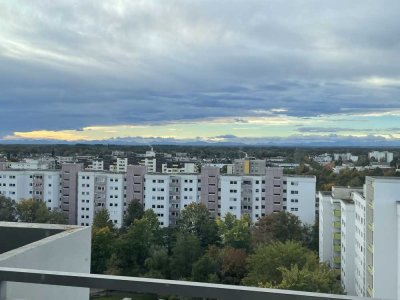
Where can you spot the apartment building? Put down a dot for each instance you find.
(242, 195)
(381, 156)
(69, 190)
(121, 165)
(96, 165)
(98, 190)
(168, 194)
(172, 168)
(249, 165)
(80, 193)
(345, 157)
(370, 242)
(43, 185)
(299, 197)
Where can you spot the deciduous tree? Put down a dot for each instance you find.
(195, 219)
(8, 211)
(282, 226)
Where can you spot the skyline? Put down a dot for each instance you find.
(253, 72)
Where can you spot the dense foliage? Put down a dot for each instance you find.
(275, 252)
(29, 211)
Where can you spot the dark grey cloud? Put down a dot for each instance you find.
(226, 136)
(68, 65)
(329, 129)
(332, 140)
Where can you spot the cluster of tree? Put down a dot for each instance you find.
(326, 178)
(278, 251)
(29, 211)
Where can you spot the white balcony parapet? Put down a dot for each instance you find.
(159, 286)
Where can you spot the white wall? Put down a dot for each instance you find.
(231, 195)
(156, 196)
(325, 228)
(347, 246)
(385, 264)
(300, 197)
(68, 251)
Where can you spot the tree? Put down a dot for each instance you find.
(311, 236)
(205, 269)
(264, 265)
(134, 211)
(235, 232)
(233, 266)
(320, 280)
(102, 219)
(57, 216)
(195, 219)
(282, 226)
(133, 247)
(32, 211)
(158, 263)
(8, 211)
(186, 251)
(102, 249)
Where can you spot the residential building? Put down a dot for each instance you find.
(80, 193)
(249, 166)
(345, 157)
(381, 156)
(96, 165)
(323, 159)
(69, 190)
(172, 168)
(299, 197)
(97, 190)
(121, 165)
(43, 185)
(369, 239)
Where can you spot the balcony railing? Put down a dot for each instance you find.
(159, 286)
(336, 224)
(370, 269)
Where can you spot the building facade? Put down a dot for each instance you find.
(81, 193)
(369, 237)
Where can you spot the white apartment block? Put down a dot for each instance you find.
(31, 184)
(347, 269)
(178, 168)
(359, 240)
(370, 239)
(151, 164)
(120, 166)
(323, 159)
(242, 195)
(299, 197)
(31, 164)
(345, 157)
(80, 193)
(329, 230)
(96, 165)
(168, 194)
(381, 156)
(98, 190)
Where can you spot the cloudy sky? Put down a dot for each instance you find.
(248, 71)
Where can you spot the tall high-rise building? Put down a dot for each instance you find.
(359, 235)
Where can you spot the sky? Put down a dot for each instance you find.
(185, 71)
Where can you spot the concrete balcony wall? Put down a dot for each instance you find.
(44, 247)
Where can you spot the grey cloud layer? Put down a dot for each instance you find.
(65, 66)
